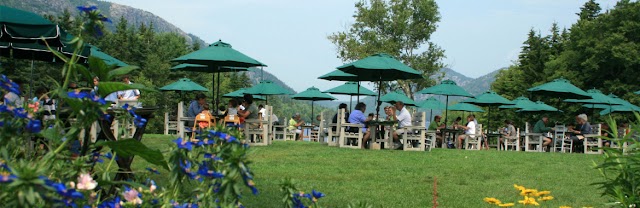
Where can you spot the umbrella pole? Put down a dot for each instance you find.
(350, 103)
(446, 111)
(358, 96)
(31, 80)
(378, 103)
(312, 110)
(213, 88)
(217, 93)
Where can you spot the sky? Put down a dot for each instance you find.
(290, 36)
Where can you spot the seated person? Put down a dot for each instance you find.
(132, 94)
(294, 124)
(232, 108)
(606, 136)
(205, 111)
(250, 110)
(456, 123)
(508, 133)
(197, 105)
(541, 128)
(404, 119)
(577, 134)
(436, 125)
(469, 130)
(357, 117)
(335, 117)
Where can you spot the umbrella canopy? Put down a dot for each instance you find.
(350, 88)
(637, 92)
(218, 54)
(313, 94)
(539, 107)
(338, 75)
(624, 102)
(267, 88)
(617, 109)
(560, 88)
(380, 67)
(26, 27)
(393, 97)
(446, 87)
(240, 93)
(596, 98)
(431, 103)
(40, 52)
(520, 102)
(466, 107)
(109, 60)
(206, 69)
(184, 84)
(489, 98)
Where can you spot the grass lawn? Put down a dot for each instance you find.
(405, 179)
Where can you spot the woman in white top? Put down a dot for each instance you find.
(470, 130)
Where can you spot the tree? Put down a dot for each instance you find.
(589, 11)
(401, 28)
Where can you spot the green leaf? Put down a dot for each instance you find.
(99, 68)
(107, 88)
(121, 71)
(132, 147)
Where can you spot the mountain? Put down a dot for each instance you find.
(112, 10)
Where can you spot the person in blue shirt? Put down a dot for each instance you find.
(196, 106)
(358, 117)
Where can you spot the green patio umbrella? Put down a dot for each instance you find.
(380, 67)
(108, 59)
(205, 69)
(312, 94)
(392, 97)
(466, 107)
(520, 102)
(216, 57)
(596, 98)
(240, 93)
(539, 107)
(637, 92)
(338, 75)
(267, 88)
(489, 99)
(351, 89)
(446, 88)
(431, 103)
(184, 84)
(19, 26)
(560, 88)
(626, 106)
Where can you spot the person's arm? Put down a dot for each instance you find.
(244, 113)
(137, 94)
(191, 112)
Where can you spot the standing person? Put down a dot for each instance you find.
(358, 117)
(469, 130)
(346, 115)
(403, 118)
(132, 94)
(294, 124)
(541, 128)
(196, 106)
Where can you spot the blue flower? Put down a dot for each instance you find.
(252, 185)
(98, 99)
(125, 106)
(110, 203)
(317, 194)
(212, 156)
(203, 170)
(34, 126)
(108, 155)
(139, 121)
(103, 18)
(107, 117)
(87, 9)
(183, 144)
(153, 170)
(98, 31)
(6, 177)
(67, 193)
(4, 109)
(77, 94)
(96, 157)
(20, 112)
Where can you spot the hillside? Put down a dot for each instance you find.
(114, 11)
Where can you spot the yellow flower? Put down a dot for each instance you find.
(529, 192)
(542, 193)
(565, 207)
(529, 201)
(492, 200)
(545, 198)
(506, 205)
(519, 188)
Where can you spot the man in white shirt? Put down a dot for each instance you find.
(469, 130)
(132, 94)
(403, 118)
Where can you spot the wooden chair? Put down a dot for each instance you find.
(231, 120)
(316, 135)
(532, 141)
(474, 141)
(334, 135)
(513, 141)
(592, 142)
(351, 139)
(279, 130)
(169, 125)
(256, 131)
(561, 143)
(414, 136)
(205, 119)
